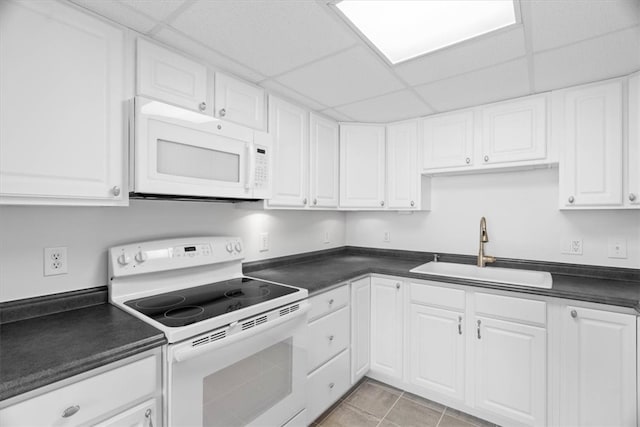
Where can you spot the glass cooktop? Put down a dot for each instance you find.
(191, 305)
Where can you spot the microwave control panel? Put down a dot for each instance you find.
(261, 167)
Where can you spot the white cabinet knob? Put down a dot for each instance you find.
(412, 203)
(115, 190)
(315, 202)
(381, 202)
(571, 199)
(304, 201)
(467, 160)
(70, 411)
(486, 158)
(202, 106)
(223, 112)
(332, 385)
(632, 197)
(574, 314)
(398, 285)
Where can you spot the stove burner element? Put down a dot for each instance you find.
(161, 301)
(247, 292)
(184, 312)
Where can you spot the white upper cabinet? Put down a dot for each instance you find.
(171, 77)
(324, 160)
(632, 193)
(404, 182)
(240, 102)
(448, 140)
(362, 166)
(515, 131)
(289, 129)
(62, 106)
(508, 134)
(592, 156)
(597, 368)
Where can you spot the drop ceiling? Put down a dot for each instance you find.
(303, 50)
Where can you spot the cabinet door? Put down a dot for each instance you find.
(598, 368)
(515, 131)
(168, 76)
(591, 167)
(239, 102)
(632, 197)
(510, 370)
(61, 109)
(448, 141)
(323, 165)
(386, 327)
(437, 351)
(360, 328)
(403, 176)
(362, 159)
(143, 415)
(289, 127)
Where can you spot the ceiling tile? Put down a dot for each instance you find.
(387, 108)
(158, 10)
(181, 42)
(336, 115)
(557, 23)
(485, 51)
(278, 89)
(612, 55)
(343, 78)
(504, 81)
(269, 36)
(119, 13)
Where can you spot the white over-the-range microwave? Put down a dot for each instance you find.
(178, 153)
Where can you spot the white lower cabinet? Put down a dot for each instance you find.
(386, 329)
(360, 328)
(123, 393)
(328, 351)
(597, 368)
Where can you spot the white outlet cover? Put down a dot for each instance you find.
(263, 245)
(55, 261)
(572, 246)
(387, 236)
(617, 248)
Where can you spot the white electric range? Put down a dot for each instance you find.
(237, 349)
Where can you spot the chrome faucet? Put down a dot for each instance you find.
(484, 238)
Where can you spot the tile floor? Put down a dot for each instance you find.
(374, 404)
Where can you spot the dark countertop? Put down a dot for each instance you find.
(42, 350)
(320, 272)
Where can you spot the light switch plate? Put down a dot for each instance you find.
(617, 248)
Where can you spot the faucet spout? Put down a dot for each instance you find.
(484, 238)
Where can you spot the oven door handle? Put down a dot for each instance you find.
(186, 353)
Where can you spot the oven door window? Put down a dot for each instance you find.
(240, 393)
(197, 162)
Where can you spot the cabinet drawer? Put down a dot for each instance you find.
(328, 336)
(328, 302)
(326, 385)
(437, 296)
(93, 396)
(525, 310)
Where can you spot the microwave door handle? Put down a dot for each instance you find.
(249, 175)
(186, 353)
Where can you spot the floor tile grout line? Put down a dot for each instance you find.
(441, 416)
(392, 406)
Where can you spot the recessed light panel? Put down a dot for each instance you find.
(402, 29)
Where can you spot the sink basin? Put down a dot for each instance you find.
(501, 276)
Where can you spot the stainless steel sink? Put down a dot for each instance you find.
(501, 276)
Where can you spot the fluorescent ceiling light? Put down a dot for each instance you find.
(403, 29)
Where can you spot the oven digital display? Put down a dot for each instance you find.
(189, 248)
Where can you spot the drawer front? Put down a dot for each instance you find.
(328, 336)
(438, 296)
(518, 309)
(94, 397)
(326, 385)
(328, 302)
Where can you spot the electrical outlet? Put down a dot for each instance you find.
(326, 238)
(572, 247)
(617, 248)
(387, 236)
(55, 261)
(263, 245)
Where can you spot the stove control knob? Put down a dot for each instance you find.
(238, 247)
(124, 259)
(229, 247)
(141, 256)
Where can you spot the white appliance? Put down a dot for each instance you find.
(237, 346)
(178, 152)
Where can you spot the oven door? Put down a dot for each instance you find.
(179, 152)
(256, 378)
